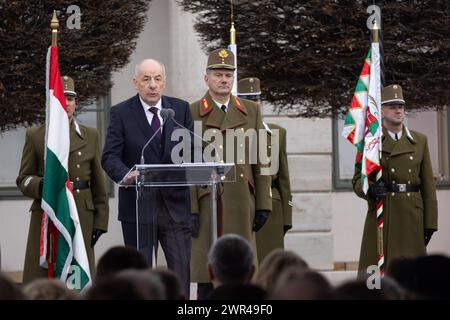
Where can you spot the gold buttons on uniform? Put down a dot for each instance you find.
(409, 182)
(241, 175)
(78, 190)
(393, 170)
(408, 194)
(411, 158)
(393, 181)
(393, 194)
(78, 179)
(409, 170)
(79, 153)
(78, 165)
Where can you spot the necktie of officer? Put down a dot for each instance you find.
(396, 137)
(156, 124)
(224, 108)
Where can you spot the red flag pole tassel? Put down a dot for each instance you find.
(380, 248)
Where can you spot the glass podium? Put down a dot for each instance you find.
(149, 181)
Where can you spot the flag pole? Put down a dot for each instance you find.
(54, 25)
(233, 47)
(379, 204)
(52, 232)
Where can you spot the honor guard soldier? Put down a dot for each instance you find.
(244, 205)
(271, 235)
(407, 186)
(87, 179)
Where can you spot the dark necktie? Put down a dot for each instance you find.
(396, 137)
(224, 108)
(156, 124)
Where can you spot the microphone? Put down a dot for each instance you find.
(164, 115)
(171, 116)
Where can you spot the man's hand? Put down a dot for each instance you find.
(195, 224)
(377, 190)
(428, 233)
(261, 217)
(130, 177)
(286, 228)
(96, 233)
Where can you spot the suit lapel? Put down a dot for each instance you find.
(387, 143)
(395, 148)
(208, 108)
(404, 145)
(77, 141)
(138, 112)
(235, 116)
(216, 118)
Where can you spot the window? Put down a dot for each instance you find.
(434, 124)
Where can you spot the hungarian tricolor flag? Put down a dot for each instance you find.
(62, 247)
(363, 120)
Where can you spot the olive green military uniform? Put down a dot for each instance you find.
(406, 214)
(271, 235)
(92, 203)
(250, 192)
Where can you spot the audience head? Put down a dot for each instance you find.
(238, 292)
(230, 261)
(118, 259)
(128, 285)
(358, 290)
(9, 290)
(48, 289)
(273, 265)
(298, 283)
(171, 284)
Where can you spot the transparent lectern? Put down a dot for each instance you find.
(149, 180)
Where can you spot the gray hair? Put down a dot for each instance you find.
(138, 66)
(231, 259)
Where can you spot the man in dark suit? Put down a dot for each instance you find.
(132, 123)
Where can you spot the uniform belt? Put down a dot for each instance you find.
(80, 185)
(402, 187)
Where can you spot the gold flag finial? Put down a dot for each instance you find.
(232, 29)
(375, 32)
(54, 25)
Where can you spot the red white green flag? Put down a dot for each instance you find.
(363, 120)
(61, 237)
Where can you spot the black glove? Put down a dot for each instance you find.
(261, 217)
(377, 190)
(195, 224)
(96, 233)
(428, 233)
(286, 228)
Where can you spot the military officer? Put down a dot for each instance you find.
(244, 205)
(407, 186)
(271, 235)
(88, 184)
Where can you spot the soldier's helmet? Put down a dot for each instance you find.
(249, 88)
(392, 95)
(221, 59)
(68, 86)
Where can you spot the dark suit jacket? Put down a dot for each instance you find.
(128, 132)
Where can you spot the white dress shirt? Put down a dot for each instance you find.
(149, 114)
